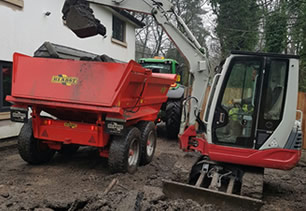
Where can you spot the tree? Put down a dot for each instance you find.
(153, 36)
(276, 32)
(237, 24)
(297, 38)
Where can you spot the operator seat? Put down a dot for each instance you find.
(275, 104)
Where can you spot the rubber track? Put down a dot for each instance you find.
(252, 185)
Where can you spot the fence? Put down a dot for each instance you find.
(302, 106)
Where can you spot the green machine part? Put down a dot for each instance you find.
(161, 65)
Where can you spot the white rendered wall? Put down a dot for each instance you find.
(24, 30)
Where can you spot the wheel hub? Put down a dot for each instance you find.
(133, 153)
(150, 143)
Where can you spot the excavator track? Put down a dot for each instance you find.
(226, 186)
(252, 184)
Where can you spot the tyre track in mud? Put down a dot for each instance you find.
(77, 183)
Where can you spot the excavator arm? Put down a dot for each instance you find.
(80, 19)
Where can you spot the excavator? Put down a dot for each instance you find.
(250, 120)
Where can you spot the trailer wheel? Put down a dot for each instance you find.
(147, 142)
(32, 150)
(68, 149)
(124, 151)
(173, 118)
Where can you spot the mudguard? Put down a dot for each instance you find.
(176, 93)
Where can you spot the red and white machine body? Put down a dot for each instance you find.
(251, 112)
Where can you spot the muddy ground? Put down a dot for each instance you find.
(78, 182)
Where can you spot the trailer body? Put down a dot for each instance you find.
(87, 102)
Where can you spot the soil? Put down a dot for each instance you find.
(78, 182)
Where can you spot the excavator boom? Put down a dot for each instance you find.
(79, 17)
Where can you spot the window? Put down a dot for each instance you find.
(273, 98)
(234, 125)
(5, 84)
(275, 95)
(158, 67)
(118, 29)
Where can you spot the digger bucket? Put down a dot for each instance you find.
(80, 19)
(222, 200)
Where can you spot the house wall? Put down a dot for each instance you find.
(24, 29)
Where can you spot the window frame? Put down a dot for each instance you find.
(124, 25)
(2, 107)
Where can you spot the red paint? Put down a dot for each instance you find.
(270, 158)
(86, 92)
(103, 152)
(98, 83)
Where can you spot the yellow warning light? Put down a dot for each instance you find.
(159, 57)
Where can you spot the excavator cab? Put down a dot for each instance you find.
(250, 124)
(257, 94)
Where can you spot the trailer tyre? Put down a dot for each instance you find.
(32, 150)
(147, 142)
(173, 118)
(124, 151)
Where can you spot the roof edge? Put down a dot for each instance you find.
(129, 17)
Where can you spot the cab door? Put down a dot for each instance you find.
(235, 115)
(273, 98)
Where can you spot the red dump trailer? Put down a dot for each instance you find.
(111, 106)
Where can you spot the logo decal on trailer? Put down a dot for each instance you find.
(64, 79)
(70, 125)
